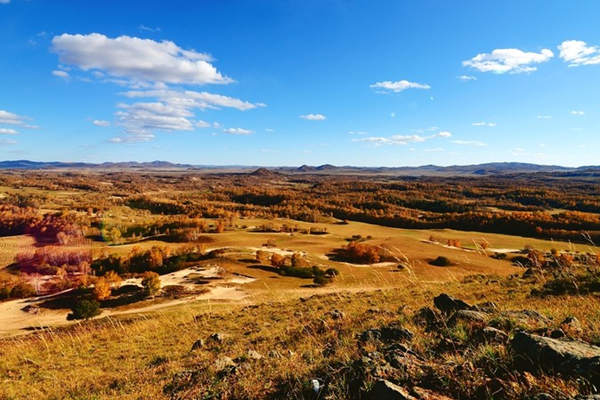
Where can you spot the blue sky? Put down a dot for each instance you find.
(373, 83)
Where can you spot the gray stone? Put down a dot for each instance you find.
(217, 337)
(573, 358)
(448, 304)
(468, 316)
(494, 335)
(386, 390)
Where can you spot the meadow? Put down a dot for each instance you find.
(184, 285)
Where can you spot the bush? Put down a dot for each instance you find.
(441, 261)
(322, 280)
(84, 309)
(101, 289)
(151, 283)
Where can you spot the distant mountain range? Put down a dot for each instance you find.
(499, 168)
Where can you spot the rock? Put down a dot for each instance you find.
(198, 344)
(424, 394)
(557, 334)
(386, 334)
(404, 359)
(572, 358)
(527, 317)
(336, 314)
(494, 335)
(31, 309)
(448, 304)
(468, 316)
(386, 390)
(217, 337)
(488, 306)
(426, 317)
(254, 355)
(222, 363)
(571, 325)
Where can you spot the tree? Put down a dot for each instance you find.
(151, 283)
(113, 278)
(84, 309)
(101, 289)
(277, 260)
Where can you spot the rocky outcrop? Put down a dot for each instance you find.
(571, 358)
(386, 390)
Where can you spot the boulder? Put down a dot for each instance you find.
(386, 333)
(493, 335)
(426, 317)
(386, 390)
(468, 316)
(572, 358)
(448, 304)
(198, 344)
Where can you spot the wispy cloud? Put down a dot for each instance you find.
(60, 73)
(398, 86)
(577, 53)
(100, 122)
(512, 61)
(145, 28)
(401, 139)
(577, 112)
(313, 117)
(467, 78)
(544, 117)
(8, 131)
(482, 123)
(238, 131)
(476, 143)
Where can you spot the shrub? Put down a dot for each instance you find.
(441, 261)
(322, 280)
(101, 289)
(151, 283)
(84, 309)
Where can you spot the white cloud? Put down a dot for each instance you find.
(7, 142)
(513, 61)
(238, 131)
(60, 73)
(476, 143)
(313, 117)
(192, 99)
(172, 110)
(137, 59)
(4, 1)
(577, 112)
(467, 78)
(401, 139)
(100, 122)
(357, 133)
(577, 53)
(8, 131)
(11, 118)
(392, 115)
(544, 116)
(490, 124)
(398, 86)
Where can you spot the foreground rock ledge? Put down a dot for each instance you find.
(573, 358)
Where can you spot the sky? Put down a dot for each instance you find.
(286, 83)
